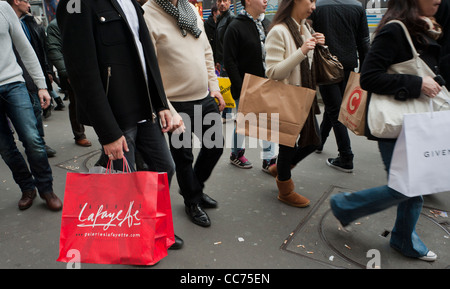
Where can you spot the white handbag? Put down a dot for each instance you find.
(385, 113)
(421, 159)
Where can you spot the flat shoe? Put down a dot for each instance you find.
(197, 215)
(178, 243)
(83, 142)
(208, 202)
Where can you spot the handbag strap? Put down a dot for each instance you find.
(408, 37)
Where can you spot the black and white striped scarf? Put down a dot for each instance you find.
(184, 14)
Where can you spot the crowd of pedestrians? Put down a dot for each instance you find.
(136, 70)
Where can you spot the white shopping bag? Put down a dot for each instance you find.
(421, 160)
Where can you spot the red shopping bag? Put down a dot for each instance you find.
(121, 218)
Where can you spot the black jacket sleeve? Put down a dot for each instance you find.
(80, 56)
(230, 58)
(390, 46)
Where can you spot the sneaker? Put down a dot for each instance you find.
(429, 257)
(344, 164)
(268, 163)
(240, 160)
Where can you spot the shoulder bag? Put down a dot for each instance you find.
(385, 113)
(328, 68)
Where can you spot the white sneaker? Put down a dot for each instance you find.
(429, 257)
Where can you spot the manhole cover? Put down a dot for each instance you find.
(321, 238)
(81, 163)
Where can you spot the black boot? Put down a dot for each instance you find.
(59, 104)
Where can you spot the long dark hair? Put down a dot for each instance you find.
(283, 12)
(406, 11)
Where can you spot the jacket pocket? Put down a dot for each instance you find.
(112, 28)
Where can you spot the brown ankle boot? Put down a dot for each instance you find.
(287, 195)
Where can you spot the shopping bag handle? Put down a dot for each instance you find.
(110, 166)
(446, 102)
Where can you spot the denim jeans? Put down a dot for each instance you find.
(332, 98)
(348, 207)
(34, 97)
(191, 178)
(238, 140)
(15, 103)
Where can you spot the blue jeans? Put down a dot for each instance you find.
(348, 207)
(238, 139)
(15, 103)
(34, 97)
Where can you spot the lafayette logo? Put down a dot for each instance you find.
(354, 100)
(105, 219)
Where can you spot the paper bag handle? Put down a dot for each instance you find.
(110, 166)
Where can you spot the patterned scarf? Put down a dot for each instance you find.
(434, 29)
(262, 34)
(184, 14)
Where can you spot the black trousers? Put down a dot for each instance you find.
(332, 98)
(203, 120)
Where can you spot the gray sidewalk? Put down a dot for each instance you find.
(251, 229)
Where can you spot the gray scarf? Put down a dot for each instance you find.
(184, 14)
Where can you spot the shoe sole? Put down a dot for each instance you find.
(339, 168)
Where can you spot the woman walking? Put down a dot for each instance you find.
(390, 46)
(290, 46)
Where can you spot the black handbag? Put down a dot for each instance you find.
(327, 66)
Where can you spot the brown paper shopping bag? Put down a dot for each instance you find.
(272, 110)
(353, 107)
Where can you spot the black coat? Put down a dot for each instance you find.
(344, 24)
(443, 18)
(105, 70)
(242, 51)
(391, 46)
(37, 35)
(223, 21)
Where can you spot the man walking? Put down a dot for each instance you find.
(244, 52)
(112, 67)
(55, 54)
(15, 104)
(36, 36)
(344, 24)
(187, 68)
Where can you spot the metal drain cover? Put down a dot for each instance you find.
(365, 243)
(81, 163)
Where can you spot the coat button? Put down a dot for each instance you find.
(102, 19)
